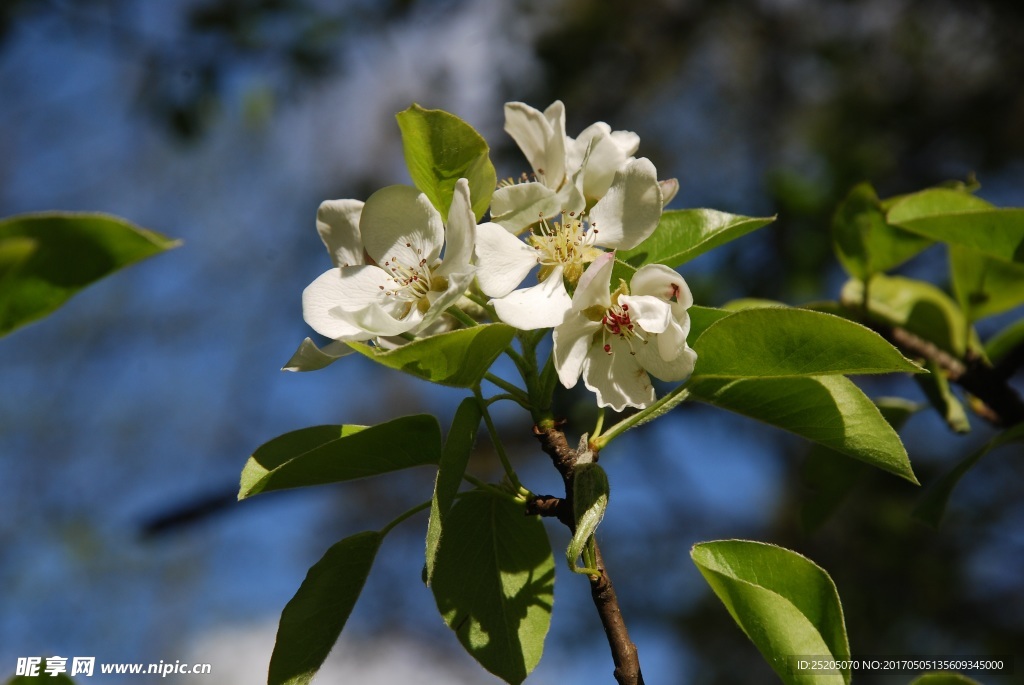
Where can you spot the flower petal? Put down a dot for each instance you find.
(503, 260)
(337, 222)
(517, 206)
(669, 188)
(327, 301)
(458, 283)
(617, 377)
(609, 151)
(592, 290)
(542, 306)
(381, 321)
(541, 137)
(678, 368)
(631, 209)
(572, 341)
(460, 233)
(652, 314)
(661, 282)
(399, 224)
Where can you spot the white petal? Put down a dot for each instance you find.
(669, 188)
(309, 357)
(609, 152)
(399, 222)
(678, 368)
(652, 314)
(327, 300)
(337, 222)
(631, 209)
(617, 377)
(458, 283)
(503, 260)
(541, 137)
(660, 281)
(517, 206)
(460, 233)
(572, 341)
(542, 306)
(594, 285)
(384, 321)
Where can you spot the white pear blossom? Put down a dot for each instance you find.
(403, 283)
(617, 340)
(628, 212)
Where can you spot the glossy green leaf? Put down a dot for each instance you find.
(914, 305)
(441, 148)
(786, 604)
(590, 500)
(684, 234)
(940, 395)
(329, 454)
(985, 286)
(827, 476)
(957, 218)
(454, 458)
(943, 678)
(459, 358)
(829, 410)
(313, 619)
(775, 342)
(932, 506)
(494, 581)
(46, 258)
(865, 244)
(701, 318)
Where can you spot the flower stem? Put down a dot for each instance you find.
(662, 406)
(510, 388)
(496, 439)
(462, 317)
(490, 488)
(599, 425)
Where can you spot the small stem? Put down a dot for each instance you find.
(412, 512)
(462, 317)
(496, 439)
(599, 425)
(666, 403)
(508, 387)
(490, 488)
(506, 396)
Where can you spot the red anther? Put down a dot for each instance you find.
(608, 349)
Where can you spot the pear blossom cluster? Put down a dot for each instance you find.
(543, 260)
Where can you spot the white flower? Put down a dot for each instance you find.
(616, 339)
(628, 213)
(403, 285)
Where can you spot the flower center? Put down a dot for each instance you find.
(616, 322)
(409, 281)
(567, 243)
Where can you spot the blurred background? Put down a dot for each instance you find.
(126, 417)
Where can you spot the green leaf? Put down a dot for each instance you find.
(932, 506)
(683, 234)
(309, 357)
(829, 410)
(459, 358)
(46, 258)
(590, 500)
(985, 286)
(865, 244)
(494, 582)
(702, 317)
(454, 458)
(786, 604)
(940, 395)
(957, 218)
(919, 307)
(329, 454)
(828, 476)
(441, 148)
(313, 619)
(943, 678)
(1005, 341)
(775, 342)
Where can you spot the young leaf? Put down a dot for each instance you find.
(458, 447)
(313, 619)
(919, 307)
(932, 506)
(683, 234)
(309, 357)
(957, 218)
(829, 410)
(787, 605)
(493, 583)
(984, 286)
(590, 500)
(329, 454)
(865, 244)
(776, 342)
(459, 358)
(441, 148)
(47, 258)
(940, 395)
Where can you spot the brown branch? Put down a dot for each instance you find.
(624, 652)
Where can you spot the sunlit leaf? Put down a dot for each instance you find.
(829, 410)
(942, 398)
(983, 285)
(329, 454)
(46, 258)
(454, 457)
(590, 500)
(776, 341)
(786, 604)
(494, 581)
(441, 148)
(459, 358)
(313, 619)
